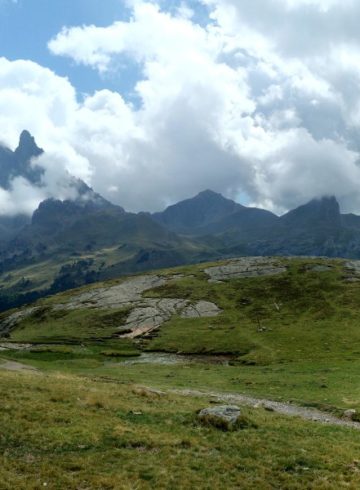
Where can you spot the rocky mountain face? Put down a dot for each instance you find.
(209, 213)
(71, 242)
(194, 216)
(324, 212)
(315, 228)
(88, 238)
(18, 163)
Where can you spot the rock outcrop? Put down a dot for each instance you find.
(245, 267)
(146, 314)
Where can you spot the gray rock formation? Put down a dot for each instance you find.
(225, 417)
(123, 294)
(146, 315)
(352, 271)
(150, 314)
(245, 267)
(200, 309)
(353, 265)
(12, 320)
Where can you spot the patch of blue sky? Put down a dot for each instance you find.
(200, 11)
(27, 26)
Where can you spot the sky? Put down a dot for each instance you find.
(151, 102)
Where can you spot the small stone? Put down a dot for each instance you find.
(269, 409)
(350, 414)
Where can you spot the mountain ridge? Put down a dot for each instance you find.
(70, 242)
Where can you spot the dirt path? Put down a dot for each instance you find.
(231, 398)
(17, 366)
(279, 407)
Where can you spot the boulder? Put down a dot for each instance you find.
(224, 417)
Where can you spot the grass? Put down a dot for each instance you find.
(45, 325)
(302, 322)
(77, 433)
(292, 337)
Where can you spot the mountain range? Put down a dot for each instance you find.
(66, 243)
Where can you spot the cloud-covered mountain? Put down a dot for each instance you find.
(25, 182)
(315, 228)
(230, 95)
(211, 213)
(84, 237)
(18, 163)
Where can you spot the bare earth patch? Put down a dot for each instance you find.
(17, 366)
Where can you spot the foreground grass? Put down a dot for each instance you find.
(84, 424)
(61, 431)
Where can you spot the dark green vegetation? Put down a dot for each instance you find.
(83, 422)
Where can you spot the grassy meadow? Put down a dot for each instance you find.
(81, 421)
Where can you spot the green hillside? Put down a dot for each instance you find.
(279, 329)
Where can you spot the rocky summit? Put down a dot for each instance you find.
(18, 163)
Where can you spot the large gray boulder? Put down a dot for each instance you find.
(224, 417)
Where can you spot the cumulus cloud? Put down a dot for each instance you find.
(260, 100)
(22, 198)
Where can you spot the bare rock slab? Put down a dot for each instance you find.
(245, 267)
(117, 296)
(150, 314)
(146, 315)
(352, 271)
(12, 320)
(204, 309)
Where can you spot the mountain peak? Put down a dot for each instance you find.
(27, 147)
(213, 196)
(326, 205)
(208, 193)
(26, 136)
(324, 210)
(199, 211)
(18, 163)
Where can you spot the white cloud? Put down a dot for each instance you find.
(22, 198)
(251, 103)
